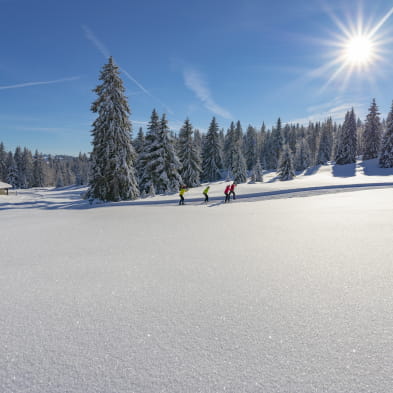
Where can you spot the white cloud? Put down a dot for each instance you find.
(195, 81)
(336, 109)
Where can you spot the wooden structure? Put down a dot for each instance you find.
(4, 187)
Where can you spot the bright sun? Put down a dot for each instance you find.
(359, 50)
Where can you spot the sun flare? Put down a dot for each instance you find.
(359, 50)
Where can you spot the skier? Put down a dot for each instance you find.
(205, 193)
(183, 189)
(233, 190)
(227, 193)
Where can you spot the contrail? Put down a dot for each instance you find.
(104, 51)
(99, 45)
(27, 84)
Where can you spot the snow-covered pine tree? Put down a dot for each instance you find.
(239, 168)
(172, 163)
(267, 154)
(346, 151)
(239, 136)
(19, 181)
(198, 142)
(82, 173)
(261, 140)
(386, 157)
(372, 133)
(221, 138)
(161, 162)
(258, 172)
(292, 139)
(39, 170)
(139, 141)
(337, 131)
(189, 156)
(276, 145)
(113, 157)
(3, 161)
(251, 147)
(285, 169)
(360, 139)
(325, 143)
(211, 155)
(228, 177)
(27, 179)
(12, 170)
(312, 140)
(229, 145)
(145, 175)
(234, 153)
(303, 155)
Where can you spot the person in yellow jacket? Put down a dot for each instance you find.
(183, 189)
(205, 193)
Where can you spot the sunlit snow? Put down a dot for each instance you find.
(286, 289)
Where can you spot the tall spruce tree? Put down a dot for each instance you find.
(292, 139)
(325, 143)
(145, 172)
(139, 141)
(372, 133)
(267, 159)
(39, 170)
(386, 157)
(251, 147)
(258, 172)
(276, 144)
(12, 170)
(285, 169)
(312, 140)
(229, 145)
(198, 142)
(239, 168)
(27, 169)
(211, 155)
(303, 155)
(167, 178)
(239, 135)
(346, 150)
(3, 162)
(161, 164)
(113, 157)
(189, 156)
(19, 167)
(261, 140)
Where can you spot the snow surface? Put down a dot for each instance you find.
(5, 185)
(284, 294)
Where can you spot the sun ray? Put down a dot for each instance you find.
(381, 22)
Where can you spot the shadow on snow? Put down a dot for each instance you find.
(77, 203)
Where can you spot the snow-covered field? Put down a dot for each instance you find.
(290, 292)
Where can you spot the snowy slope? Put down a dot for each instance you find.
(278, 295)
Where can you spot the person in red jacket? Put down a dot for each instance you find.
(233, 190)
(227, 193)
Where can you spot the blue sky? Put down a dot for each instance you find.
(246, 60)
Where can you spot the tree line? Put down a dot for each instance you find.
(237, 155)
(22, 169)
(159, 161)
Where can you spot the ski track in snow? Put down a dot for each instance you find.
(290, 295)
